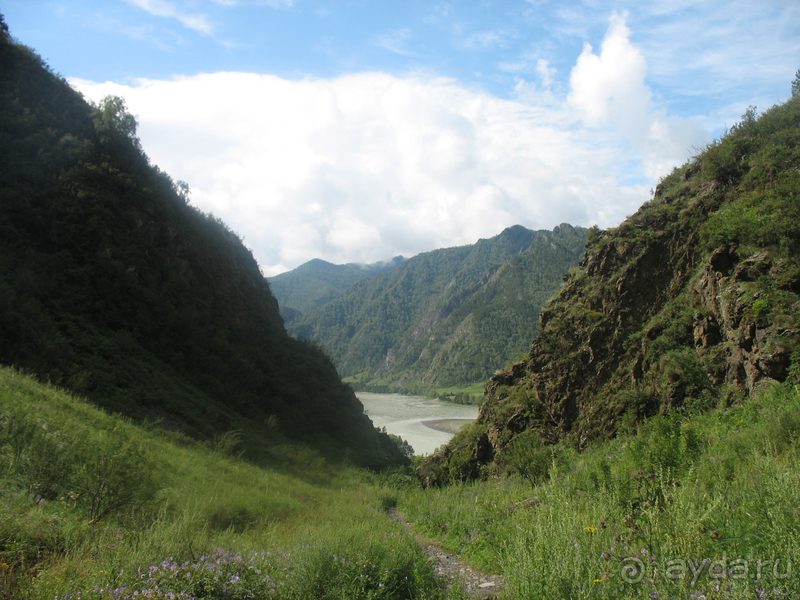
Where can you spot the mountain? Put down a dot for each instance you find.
(112, 286)
(446, 317)
(317, 282)
(692, 302)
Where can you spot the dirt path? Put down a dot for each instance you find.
(451, 569)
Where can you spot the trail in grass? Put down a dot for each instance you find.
(451, 569)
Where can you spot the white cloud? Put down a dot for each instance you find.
(162, 8)
(545, 72)
(395, 41)
(610, 86)
(609, 89)
(366, 166)
(480, 40)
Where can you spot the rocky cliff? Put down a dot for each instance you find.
(692, 302)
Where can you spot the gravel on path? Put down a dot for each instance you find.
(452, 570)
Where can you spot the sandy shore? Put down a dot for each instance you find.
(447, 425)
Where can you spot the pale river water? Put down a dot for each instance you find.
(405, 416)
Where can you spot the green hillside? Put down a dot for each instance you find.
(445, 317)
(681, 506)
(95, 507)
(692, 303)
(112, 286)
(649, 444)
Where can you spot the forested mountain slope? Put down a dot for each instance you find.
(690, 303)
(445, 317)
(113, 286)
(317, 282)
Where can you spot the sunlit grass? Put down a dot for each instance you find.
(685, 507)
(204, 524)
(700, 507)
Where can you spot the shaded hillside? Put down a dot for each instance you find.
(690, 303)
(446, 317)
(317, 282)
(113, 286)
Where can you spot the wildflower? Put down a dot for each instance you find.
(590, 529)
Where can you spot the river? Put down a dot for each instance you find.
(407, 416)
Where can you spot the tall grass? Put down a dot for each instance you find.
(707, 506)
(93, 506)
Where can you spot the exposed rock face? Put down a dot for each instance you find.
(680, 308)
(756, 352)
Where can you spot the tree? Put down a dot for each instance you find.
(796, 84)
(750, 116)
(529, 457)
(112, 121)
(402, 445)
(4, 35)
(183, 190)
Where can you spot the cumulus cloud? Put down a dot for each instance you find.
(610, 86)
(609, 89)
(366, 166)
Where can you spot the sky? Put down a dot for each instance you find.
(355, 131)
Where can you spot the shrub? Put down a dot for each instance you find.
(112, 477)
(527, 456)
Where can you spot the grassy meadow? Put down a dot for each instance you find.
(693, 506)
(93, 506)
(701, 506)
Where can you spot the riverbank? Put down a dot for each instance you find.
(447, 425)
(422, 422)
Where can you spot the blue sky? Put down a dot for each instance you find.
(355, 131)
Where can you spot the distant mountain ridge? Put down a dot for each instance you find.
(317, 282)
(446, 317)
